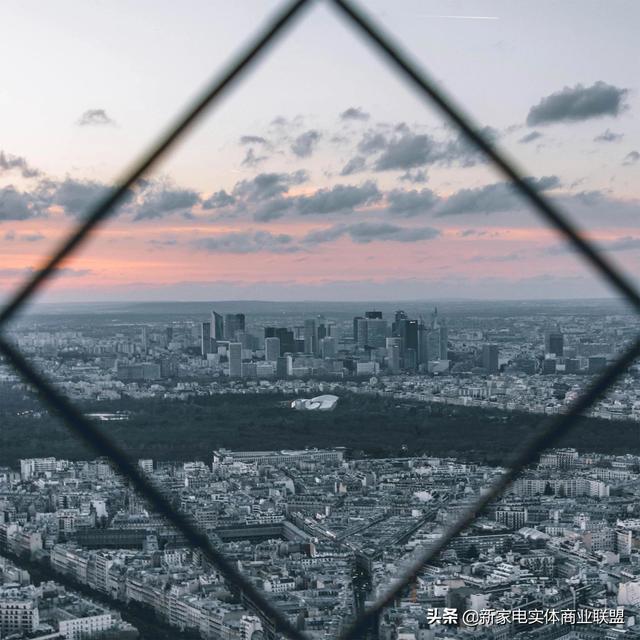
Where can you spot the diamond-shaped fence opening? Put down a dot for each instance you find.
(276, 623)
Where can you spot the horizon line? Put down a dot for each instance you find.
(327, 300)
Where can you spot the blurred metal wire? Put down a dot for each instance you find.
(550, 432)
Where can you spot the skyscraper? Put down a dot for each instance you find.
(377, 331)
(433, 345)
(410, 359)
(490, 355)
(246, 340)
(359, 326)
(310, 337)
(205, 338)
(217, 326)
(407, 330)
(394, 346)
(439, 328)
(400, 315)
(233, 322)
(282, 367)
(271, 349)
(235, 360)
(287, 341)
(554, 343)
(328, 347)
(423, 356)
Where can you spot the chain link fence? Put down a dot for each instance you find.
(274, 621)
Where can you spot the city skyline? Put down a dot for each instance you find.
(331, 193)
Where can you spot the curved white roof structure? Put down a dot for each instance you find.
(319, 403)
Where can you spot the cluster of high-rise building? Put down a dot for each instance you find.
(375, 343)
(410, 344)
(228, 328)
(534, 363)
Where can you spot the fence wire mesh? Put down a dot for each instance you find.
(276, 623)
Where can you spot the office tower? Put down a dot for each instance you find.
(310, 337)
(363, 337)
(217, 326)
(410, 359)
(490, 358)
(233, 322)
(373, 315)
(435, 321)
(205, 338)
(356, 329)
(377, 331)
(144, 339)
(264, 369)
(287, 341)
(168, 332)
(571, 365)
(400, 315)
(394, 347)
(328, 347)
(423, 356)
(407, 330)
(554, 343)
(321, 330)
(549, 365)
(246, 340)
(249, 369)
(438, 327)
(432, 347)
(282, 369)
(235, 360)
(271, 349)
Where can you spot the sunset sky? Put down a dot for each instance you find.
(322, 175)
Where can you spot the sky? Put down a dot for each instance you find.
(322, 175)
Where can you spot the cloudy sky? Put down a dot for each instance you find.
(322, 176)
